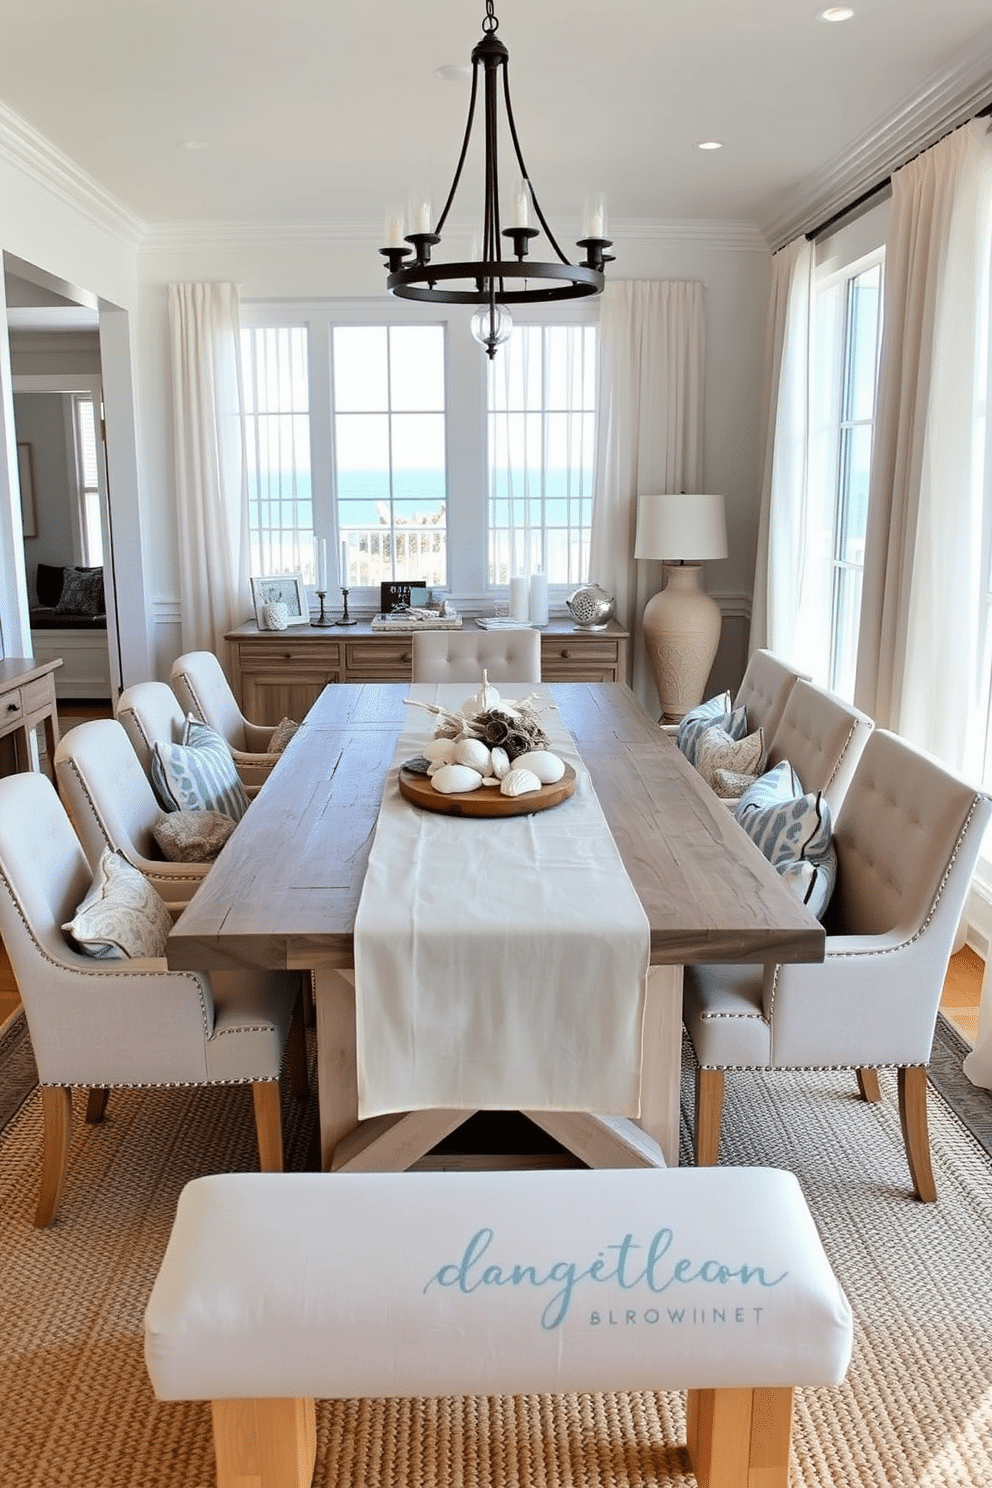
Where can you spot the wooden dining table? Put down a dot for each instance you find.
(285, 891)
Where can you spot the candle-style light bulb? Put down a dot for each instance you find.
(594, 216)
(394, 227)
(521, 204)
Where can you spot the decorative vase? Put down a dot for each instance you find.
(275, 615)
(681, 634)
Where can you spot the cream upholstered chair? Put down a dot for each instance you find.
(149, 713)
(461, 655)
(765, 689)
(822, 737)
(102, 1023)
(907, 837)
(111, 802)
(199, 683)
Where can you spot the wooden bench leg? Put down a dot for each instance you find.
(264, 1443)
(740, 1438)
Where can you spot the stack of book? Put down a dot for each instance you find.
(416, 620)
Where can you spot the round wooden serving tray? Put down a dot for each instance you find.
(487, 800)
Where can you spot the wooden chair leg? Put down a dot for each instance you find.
(296, 1053)
(912, 1081)
(96, 1103)
(268, 1443)
(709, 1113)
(56, 1107)
(868, 1085)
(268, 1125)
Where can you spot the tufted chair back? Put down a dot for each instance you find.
(822, 738)
(200, 685)
(764, 690)
(149, 713)
(461, 655)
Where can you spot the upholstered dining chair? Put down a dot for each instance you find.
(461, 655)
(764, 691)
(107, 1023)
(907, 837)
(822, 737)
(111, 802)
(149, 713)
(201, 686)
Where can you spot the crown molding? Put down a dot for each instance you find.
(949, 99)
(35, 156)
(174, 237)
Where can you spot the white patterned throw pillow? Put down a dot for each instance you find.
(199, 774)
(719, 750)
(121, 916)
(794, 831)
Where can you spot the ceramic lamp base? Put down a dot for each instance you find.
(681, 633)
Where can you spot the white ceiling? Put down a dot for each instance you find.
(320, 112)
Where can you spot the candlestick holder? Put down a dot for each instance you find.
(345, 617)
(322, 620)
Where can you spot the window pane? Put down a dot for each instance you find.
(277, 443)
(542, 453)
(361, 368)
(863, 326)
(853, 515)
(416, 367)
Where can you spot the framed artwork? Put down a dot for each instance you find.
(287, 589)
(25, 471)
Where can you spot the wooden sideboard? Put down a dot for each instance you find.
(27, 702)
(279, 674)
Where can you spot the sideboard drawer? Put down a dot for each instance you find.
(283, 650)
(11, 707)
(37, 695)
(389, 659)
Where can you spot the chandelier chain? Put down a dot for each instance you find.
(490, 25)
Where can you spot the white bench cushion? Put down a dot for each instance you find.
(421, 1284)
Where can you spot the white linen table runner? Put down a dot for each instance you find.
(500, 962)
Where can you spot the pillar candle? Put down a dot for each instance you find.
(344, 563)
(519, 589)
(539, 598)
(322, 565)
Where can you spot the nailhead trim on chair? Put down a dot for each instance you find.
(84, 971)
(167, 1084)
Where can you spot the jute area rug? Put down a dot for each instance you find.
(916, 1408)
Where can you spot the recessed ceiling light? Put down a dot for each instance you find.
(835, 13)
(710, 145)
(454, 72)
(193, 145)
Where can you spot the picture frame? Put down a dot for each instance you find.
(289, 588)
(25, 472)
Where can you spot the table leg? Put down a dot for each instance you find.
(661, 1059)
(337, 1065)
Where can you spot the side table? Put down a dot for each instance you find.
(27, 701)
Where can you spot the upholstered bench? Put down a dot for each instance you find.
(276, 1289)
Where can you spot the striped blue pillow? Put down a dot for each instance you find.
(198, 774)
(794, 831)
(717, 713)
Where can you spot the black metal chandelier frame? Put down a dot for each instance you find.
(492, 277)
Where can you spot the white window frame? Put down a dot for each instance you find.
(466, 407)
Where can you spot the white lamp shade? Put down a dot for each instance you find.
(680, 526)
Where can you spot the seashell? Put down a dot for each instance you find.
(546, 766)
(440, 750)
(500, 761)
(519, 783)
(452, 778)
(480, 702)
(474, 753)
(490, 780)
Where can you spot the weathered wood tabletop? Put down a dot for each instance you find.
(285, 891)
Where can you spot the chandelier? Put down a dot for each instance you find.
(489, 280)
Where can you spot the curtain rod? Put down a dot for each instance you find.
(866, 196)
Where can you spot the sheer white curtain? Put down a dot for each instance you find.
(652, 356)
(211, 482)
(791, 608)
(923, 660)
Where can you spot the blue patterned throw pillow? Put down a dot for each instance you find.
(198, 774)
(717, 713)
(794, 831)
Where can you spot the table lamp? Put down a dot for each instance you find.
(681, 623)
